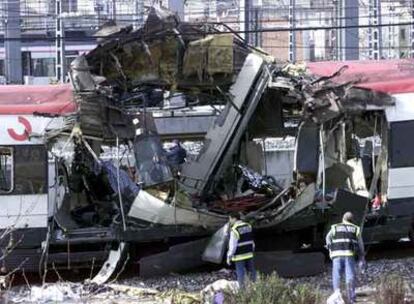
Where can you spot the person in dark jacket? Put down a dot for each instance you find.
(176, 155)
(241, 248)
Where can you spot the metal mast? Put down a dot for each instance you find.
(375, 33)
(292, 32)
(60, 44)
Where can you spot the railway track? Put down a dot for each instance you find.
(390, 250)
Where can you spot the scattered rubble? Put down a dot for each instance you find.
(193, 288)
(369, 277)
(193, 282)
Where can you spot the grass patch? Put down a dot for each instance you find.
(271, 289)
(390, 290)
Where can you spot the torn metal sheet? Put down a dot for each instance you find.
(211, 55)
(222, 139)
(216, 247)
(153, 210)
(111, 264)
(288, 211)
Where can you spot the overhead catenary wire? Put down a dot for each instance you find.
(263, 20)
(191, 33)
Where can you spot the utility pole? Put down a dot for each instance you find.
(12, 44)
(60, 44)
(292, 32)
(375, 33)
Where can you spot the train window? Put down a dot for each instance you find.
(6, 169)
(30, 169)
(401, 144)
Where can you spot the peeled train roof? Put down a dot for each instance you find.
(30, 99)
(388, 76)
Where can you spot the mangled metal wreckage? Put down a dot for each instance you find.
(63, 190)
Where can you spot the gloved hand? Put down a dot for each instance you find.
(228, 261)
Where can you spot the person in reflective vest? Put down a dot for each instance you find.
(241, 248)
(345, 245)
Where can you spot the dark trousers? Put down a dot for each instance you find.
(242, 267)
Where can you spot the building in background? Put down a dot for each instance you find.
(263, 23)
(81, 19)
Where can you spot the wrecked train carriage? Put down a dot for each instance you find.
(260, 91)
(60, 192)
(100, 204)
(380, 113)
(92, 201)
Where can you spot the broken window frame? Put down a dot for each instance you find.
(11, 179)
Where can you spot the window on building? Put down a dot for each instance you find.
(6, 169)
(43, 67)
(402, 34)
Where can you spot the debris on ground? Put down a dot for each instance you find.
(217, 291)
(203, 287)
